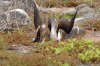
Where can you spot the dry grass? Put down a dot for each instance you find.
(16, 38)
(62, 3)
(43, 55)
(89, 24)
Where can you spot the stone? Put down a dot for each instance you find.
(87, 13)
(76, 31)
(19, 16)
(3, 21)
(84, 9)
(20, 48)
(5, 5)
(69, 11)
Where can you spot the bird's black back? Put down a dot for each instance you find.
(66, 25)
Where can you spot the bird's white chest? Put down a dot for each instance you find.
(59, 36)
(53, 34)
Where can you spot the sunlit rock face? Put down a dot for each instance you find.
(19, 16)
(15, 11)
(87, 13)
(19, 48)
(12, 18)
(85, 9)
(3, 23)
(4, 5)
(27, 5)
(3, 16)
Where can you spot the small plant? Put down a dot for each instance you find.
(74, 44)
(89, 55)
(56, 63)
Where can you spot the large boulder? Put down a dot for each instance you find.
(69, 10)
(76, 32)
(20, 16)
(4, 5)
(87, 13)
(84, 9)
(14, 18)
(19, 48)
(27, 5)
(3, 21)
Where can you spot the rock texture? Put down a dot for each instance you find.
(87, 13)
(20, 48)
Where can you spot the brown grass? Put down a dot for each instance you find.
(91, 23)
(16, 38)
(63, 3)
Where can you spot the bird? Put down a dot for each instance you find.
(37, 38)
(37, 23)
(55, 26)
(63, 25)
(53, 33)
(67, 25)
(59, 35)
(40, 25)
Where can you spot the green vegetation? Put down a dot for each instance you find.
(89, 55)
(69, 52)
(74, 44)
(84, 49)
(14, 59)
(52, 53)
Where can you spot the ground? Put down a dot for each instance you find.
(50, 53)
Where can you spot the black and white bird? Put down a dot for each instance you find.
(54, 26)
(67, 25)
(37, 23)
(63, 25)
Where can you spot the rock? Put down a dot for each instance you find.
(44, 10)
(3, 16)
(27, 5)
(20, 16)
(84, 9)
(76, 31)
(20, 48)
(4, 5)
(69, 11)
(9, 20)
(58, 10)
(82, 6)
(87, 13)
(97, 33)
(3, 23)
